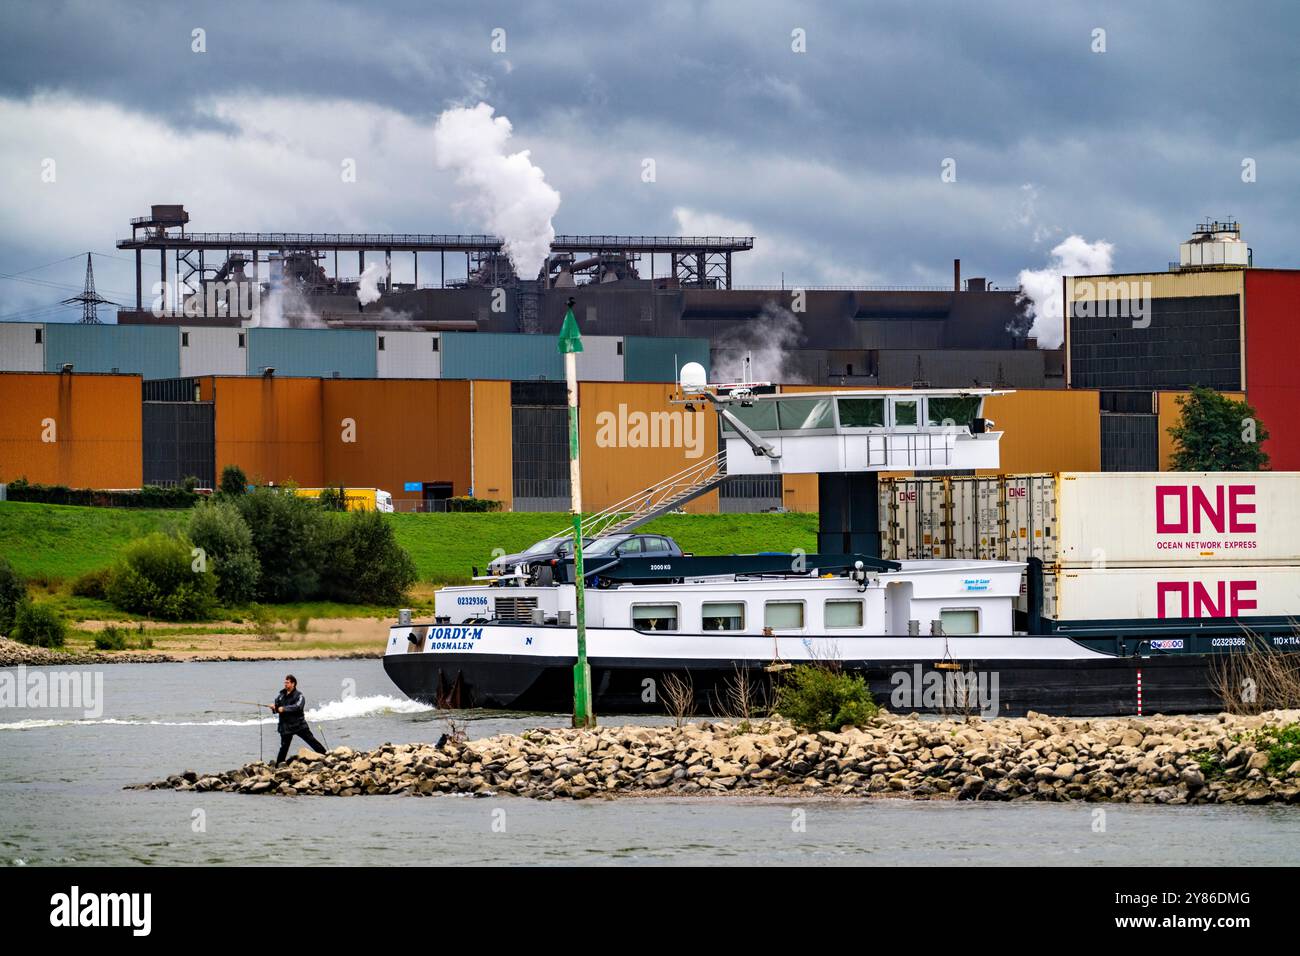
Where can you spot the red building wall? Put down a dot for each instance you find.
(1272, 310)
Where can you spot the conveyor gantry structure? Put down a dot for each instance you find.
(703, 261)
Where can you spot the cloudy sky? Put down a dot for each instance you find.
(831, 157)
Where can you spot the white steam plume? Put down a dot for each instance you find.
(507, 190)
(770, 339)
(368, 286)
(1040, 289)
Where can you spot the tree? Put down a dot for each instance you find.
(13, 592)
(219, 529)
(1217, 433)
(233, 481)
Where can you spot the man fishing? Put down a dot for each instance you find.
(291, 706)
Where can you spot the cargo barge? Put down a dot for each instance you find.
(930, 633)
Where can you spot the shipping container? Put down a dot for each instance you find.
(1221, 592)
(22, 347)
(1085, 519)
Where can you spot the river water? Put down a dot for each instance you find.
(62, 802)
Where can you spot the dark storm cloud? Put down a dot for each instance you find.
(837, 150)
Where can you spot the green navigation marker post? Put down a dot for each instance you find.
(570, 345)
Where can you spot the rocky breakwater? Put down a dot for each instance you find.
(1180, 760)
(14, 653)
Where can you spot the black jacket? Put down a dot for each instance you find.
(292, 720)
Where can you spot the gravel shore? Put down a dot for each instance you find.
(1166, 760)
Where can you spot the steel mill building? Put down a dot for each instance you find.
(450, 384)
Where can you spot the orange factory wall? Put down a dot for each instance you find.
(493, 450)
(1167, 415)
(1047, 430)
(271, 428)
(382, 433)
(612, 469)
(95, 422)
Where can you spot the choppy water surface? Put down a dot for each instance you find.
(62, 773)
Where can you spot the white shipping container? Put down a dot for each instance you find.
(1220, 592)
(1097, 519)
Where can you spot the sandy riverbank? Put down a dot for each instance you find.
(223, 641)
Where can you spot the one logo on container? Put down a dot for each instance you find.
(1195, 599)
(1188, 509)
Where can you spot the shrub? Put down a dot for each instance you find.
(367, 565)
(149, 496)
(220, 530)
(93, 584)
(234, 482)
(333, 499)
(13, 592)
(111, 639)
(477, 505)
(156, 577)
(1282, 744)
(287, 534)
(815, 697)
(39, 624)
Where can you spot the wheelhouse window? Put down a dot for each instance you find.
(804, 414)
(843, 613)
(862, 412)
(783, 615)
(965, 620)
(957, 410)
(654, 617)
(759, 417)
(723, 615)
(905, 413)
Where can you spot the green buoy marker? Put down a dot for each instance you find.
(570, 345)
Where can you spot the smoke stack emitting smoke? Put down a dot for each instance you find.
(508, 190)
(769, 341)
(1040, 289)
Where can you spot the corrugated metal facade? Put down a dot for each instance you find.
(1192, 333)
(83, 431)
(270, 427)
(500, 356)
(493, 464)
(624, 450)
(22, 347)
(388, 433)
(1046, 430)
(1271, 382)
(209, 351)
(151, 351)
(179, 443)
(1130, 443)
(328, 353)
(408, 354)
(658, 359)
(601, 359)
(519, 358)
